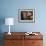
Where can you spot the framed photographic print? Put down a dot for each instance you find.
(26, 15)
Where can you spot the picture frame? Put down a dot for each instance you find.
(26, 15)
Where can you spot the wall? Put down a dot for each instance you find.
(9, 8)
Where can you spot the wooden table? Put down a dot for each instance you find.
(20, 39)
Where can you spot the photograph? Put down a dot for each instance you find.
(26, 15)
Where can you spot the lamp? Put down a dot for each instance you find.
(9, 21)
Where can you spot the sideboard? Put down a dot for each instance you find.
(20, 39)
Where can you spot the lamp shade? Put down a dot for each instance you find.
(9, 21)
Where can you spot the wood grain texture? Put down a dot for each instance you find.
(20, 39)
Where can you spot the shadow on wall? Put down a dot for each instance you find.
(2, 21)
